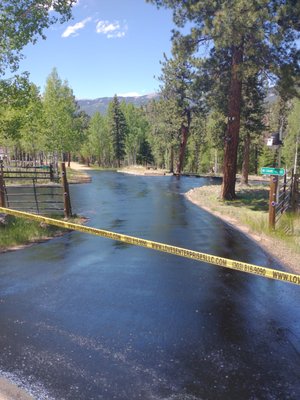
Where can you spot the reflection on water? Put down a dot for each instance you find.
(84, 317)
(117, 223)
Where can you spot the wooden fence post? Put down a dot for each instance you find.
(295, 193)
(51, 172)
(282, 209)
(67, 200)
(272, 201)
(2, 191)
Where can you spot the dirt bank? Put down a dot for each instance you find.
(10, 391)
(79, 167)
(140, 170)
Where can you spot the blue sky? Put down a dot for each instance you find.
(109, 47)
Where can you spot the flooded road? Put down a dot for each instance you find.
(84, 317)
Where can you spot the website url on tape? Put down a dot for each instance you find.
(166, 248)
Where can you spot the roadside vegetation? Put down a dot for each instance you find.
(15, 232)
(250, 213)
(18, 232)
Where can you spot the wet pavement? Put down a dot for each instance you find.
(84, 317)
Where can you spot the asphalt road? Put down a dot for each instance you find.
(89, 318)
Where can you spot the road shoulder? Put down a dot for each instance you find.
(10, 391)
(277, 248)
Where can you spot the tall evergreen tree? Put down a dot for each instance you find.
(256, 35)
(118, 129)
(252, 124)
(179, 83)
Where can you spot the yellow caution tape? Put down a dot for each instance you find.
(178, 251)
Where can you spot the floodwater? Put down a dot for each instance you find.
(83, 317)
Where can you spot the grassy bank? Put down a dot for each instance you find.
(250, 213)
(19, 232)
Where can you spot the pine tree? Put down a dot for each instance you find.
(118, 129)
(256, 36)
(183, 93)
(252, 124)
(144, 156)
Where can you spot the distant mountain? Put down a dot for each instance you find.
(101, 104)
(90, 106)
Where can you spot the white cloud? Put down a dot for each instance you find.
(72, 29)
(129, 94)
(111, 29)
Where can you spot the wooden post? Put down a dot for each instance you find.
(297, 177)
(67, 200)
(272, 201)
(51, 173)
(35, 197)
(2, 191)
(295, 193)
(283, 194)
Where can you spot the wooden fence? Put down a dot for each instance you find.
(35, 189)
(295, 198)
(284, 196)
(36, 173)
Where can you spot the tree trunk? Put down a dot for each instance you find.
(171, 159)
(184, 138)
(296, 155)
(216, 169)
(256, 160)
(69, 159)
(233, 126)
(246, 160)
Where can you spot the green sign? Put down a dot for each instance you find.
(272, 171)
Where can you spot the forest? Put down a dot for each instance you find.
(215, 114)
(42, 127)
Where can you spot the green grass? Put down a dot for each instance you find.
(19, 231)
(288, 229)
(251, 208)
(255, 199)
